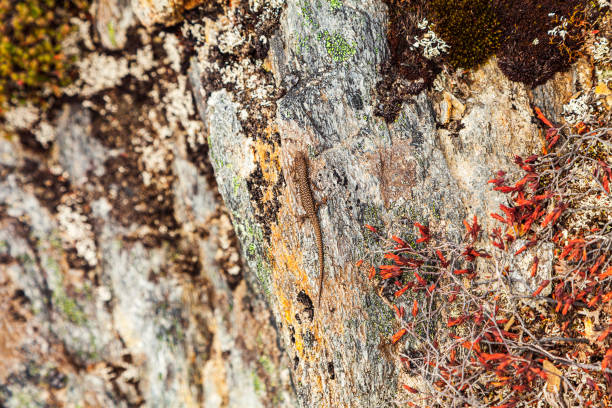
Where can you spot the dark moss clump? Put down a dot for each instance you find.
(470, 27)
(529, 54)
(31, 58)
(533, 39)
(406, 72)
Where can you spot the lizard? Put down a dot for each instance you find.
(300, 170)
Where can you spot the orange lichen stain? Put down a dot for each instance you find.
(285, 253)
(288, 314)
(319, 384)
(267, 156)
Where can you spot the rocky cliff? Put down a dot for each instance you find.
(152, 248)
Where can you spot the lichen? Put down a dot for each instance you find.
(337, 47)
(431, 45)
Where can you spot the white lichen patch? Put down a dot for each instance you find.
(595, 206)
(144, 62)
(578, 110)
(44, 133)
(256, 5)
(180, 110)
(601, 50)
(21, 117)
(98, 72)
(154, 157)
(522, 283)
(76, 232)
(431, 45)
(230, 39)
(559, 30)
(173, 50)
(71, 44)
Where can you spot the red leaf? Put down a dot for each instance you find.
(593, 301)
(505, 189)
(415, 308)
(605, 333)
(403, 290)
(534, 267)
(548, 218)
(412, 390)
(453, 322)
(521, 249)
(541, 116)
(397, 336)
(399, 241)
(605, 274)
(540, 288)
(607, 359)
(494, 356)
(566, 307)
(554, 141)
(371, 228)
(498, 217)
(419, 279)
(444, 263)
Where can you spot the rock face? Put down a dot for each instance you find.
(423, 167)
(152, 257)
(121, 280)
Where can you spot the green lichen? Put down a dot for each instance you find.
(263, 274)
(266, 364)
(236, 183)
(69, 308)
(307, 14)
(380, 320)
(337, 47)
(335, 4)
(111, 33)
(259, 386)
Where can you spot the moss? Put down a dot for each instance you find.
(31, 58)
(470, 27)
(406, 72)
(528, 53)
(517, 31)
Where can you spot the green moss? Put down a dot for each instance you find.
(470, 27)
(31, 58)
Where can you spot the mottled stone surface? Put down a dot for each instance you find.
(151, 252)
(431, 166)
(121, 279)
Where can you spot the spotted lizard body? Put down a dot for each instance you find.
(303, 180)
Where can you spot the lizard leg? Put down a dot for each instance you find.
(301, 219)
